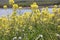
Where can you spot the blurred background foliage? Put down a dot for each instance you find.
(29, 2)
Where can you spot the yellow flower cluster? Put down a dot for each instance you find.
(34, 5)
(5, 6)
(15, 6)
(11, 2)
(55, 8)
(30, 24)
(20, 7)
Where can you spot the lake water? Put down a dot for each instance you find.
(8, 11)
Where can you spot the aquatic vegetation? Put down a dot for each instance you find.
(38, 25)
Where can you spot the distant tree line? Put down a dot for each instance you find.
(39, 2)
(29, 2)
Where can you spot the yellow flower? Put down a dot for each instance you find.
(32, 19)
(37, 22)
(30, 27)
(58, 20)
(15, 6)
(46, 8)
(51, 22)
(21, 22)
(45, 11)
(20, 7)
(37, 11)
(51, 15)
(44, 19)
(0, 19)
(20, 17)
(4, 19)
(34, 5)
(5, 6)
(58, 10)
(58, 26)
(55, 6)
(11, 2)
(27, 14)
(7, 31)
(38, 14)
(54, 10)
